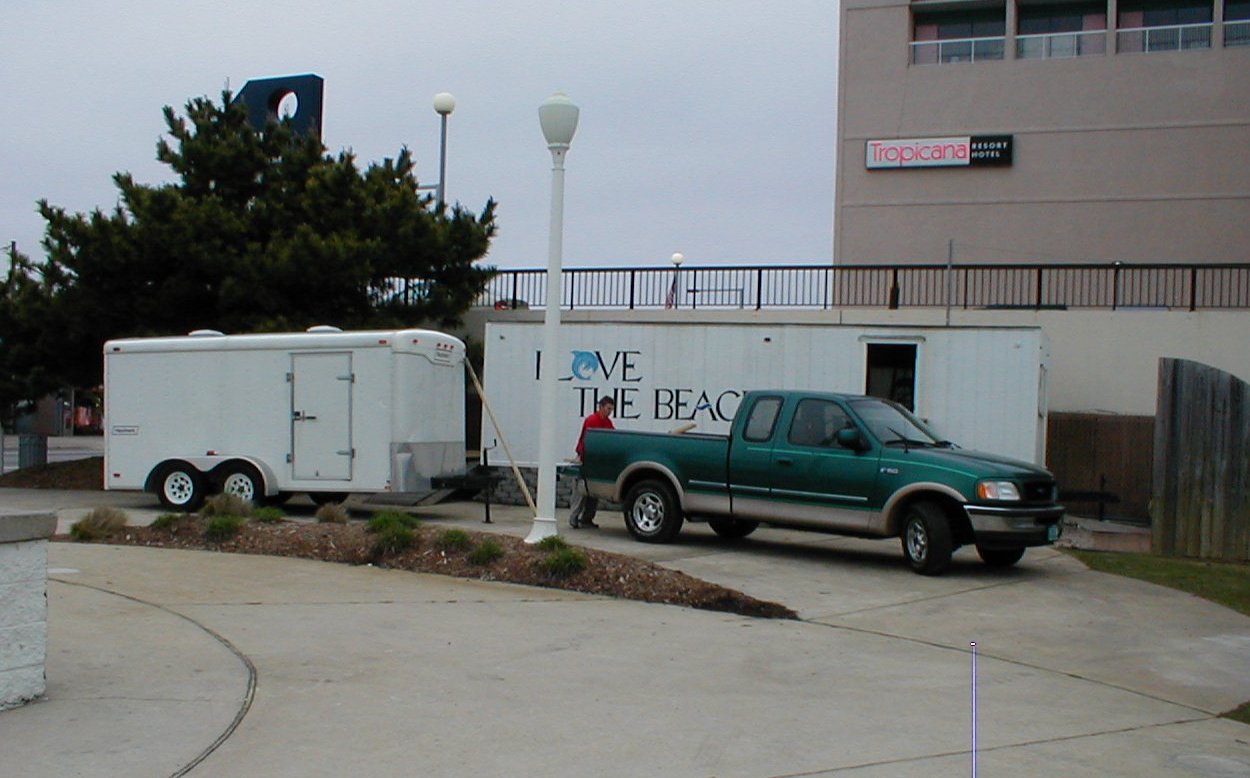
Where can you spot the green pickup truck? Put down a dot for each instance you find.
(836, 463)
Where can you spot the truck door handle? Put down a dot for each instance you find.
(785, 461)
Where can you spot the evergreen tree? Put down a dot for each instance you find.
(260, 232)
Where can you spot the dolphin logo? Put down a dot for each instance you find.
(585, 365)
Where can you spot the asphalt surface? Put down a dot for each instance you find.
(164, 663)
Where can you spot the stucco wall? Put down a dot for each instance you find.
(23, 605)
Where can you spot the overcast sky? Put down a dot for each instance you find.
(707, 126)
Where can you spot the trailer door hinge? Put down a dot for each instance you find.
(290, 377)
(350, 452)
(349, 377)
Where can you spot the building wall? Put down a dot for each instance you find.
(1136, 157)
(23, 605)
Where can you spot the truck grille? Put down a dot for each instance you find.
(1039, 491)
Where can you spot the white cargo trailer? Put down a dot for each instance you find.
(324, 412)
(983, 387)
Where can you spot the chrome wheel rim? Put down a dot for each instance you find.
(648, 513)
(917, 540)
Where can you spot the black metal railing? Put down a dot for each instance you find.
(1118, 285)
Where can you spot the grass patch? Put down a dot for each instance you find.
(385, 519)
(218, 529)
(564, 562)
(166, 521)
(226, 505)
(332, 513)
(552, 543)
(1241, 714)
(454, 540)
(268, 515)
(393, 538)
(99, 523)
(486, 552)
(1226, 583)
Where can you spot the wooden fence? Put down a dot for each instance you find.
(1201, 501)
(1102, 463)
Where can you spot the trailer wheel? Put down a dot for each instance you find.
(652, 514)
(179, 486)
(1000, 557)
(733, 528)
(926, 538)
(243, 481)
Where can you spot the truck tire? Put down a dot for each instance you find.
(243, 481)
(926, 538)
(179, 486)
(733, 528)
(1000, 557)
(652, 513)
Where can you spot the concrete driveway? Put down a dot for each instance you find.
(168, 663)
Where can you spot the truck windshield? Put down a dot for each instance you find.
(891, 424)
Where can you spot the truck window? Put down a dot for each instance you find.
(763, 419)
(816, 422)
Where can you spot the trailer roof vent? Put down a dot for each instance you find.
(323, 328)
(206, 333)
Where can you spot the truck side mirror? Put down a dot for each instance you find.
(849, 437)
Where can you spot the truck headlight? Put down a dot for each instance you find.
(997, 490)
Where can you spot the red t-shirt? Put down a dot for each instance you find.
(593, 422)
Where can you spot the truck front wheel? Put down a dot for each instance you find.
(652, 513)
(179, 486)
(927, 538)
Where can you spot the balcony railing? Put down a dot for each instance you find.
(1173, 38)
(1177, 287)
(1237, 33)
(956, 50)
(1057, 45)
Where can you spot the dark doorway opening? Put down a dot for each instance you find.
(892, 373)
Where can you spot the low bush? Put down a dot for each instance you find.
(454, 540)
(332, 513)
(553, 543)
(381, 521)
(166, 521)
(393, 538)
(99, 523)
(226, 505)
(219, 529)
(565, 562)
(268, 515)
(486, 552)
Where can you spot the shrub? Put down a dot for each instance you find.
(565, 562)
(454, 540)
(99, 523)
(386, 519)
(226, 505)
(392, 539)
(219, 529)
(269, 515)
(553, 543)
(486, 552)
(166, 521)
(331, 513)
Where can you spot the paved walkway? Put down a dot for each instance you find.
(169, 662)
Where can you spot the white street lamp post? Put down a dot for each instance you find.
(558, 117)
(444, 104)
(678, 258)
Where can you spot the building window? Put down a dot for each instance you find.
(1066, 30)
(1237, 23)
(944, 37)
(1163, 25)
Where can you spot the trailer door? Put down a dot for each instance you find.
(321, 416)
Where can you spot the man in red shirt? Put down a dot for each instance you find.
(585, 506)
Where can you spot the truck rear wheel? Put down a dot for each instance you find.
(926, 538)
(243, 481)
(179, 486)
(652, 513)
(1000, 557)
(733, 528)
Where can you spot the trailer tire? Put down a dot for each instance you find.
(926, 538)
(243, 481)
(652, 513)
(179, 486)
(1000, 557)
(733, 528)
